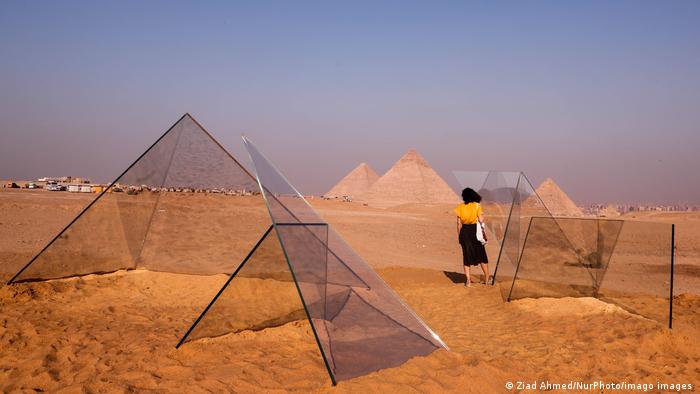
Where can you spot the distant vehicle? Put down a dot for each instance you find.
(11, 185)
(74, 188)
(53, 186)
(31, 185)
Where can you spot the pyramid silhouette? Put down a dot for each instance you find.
(150, 218)
(355, 184)
(558, 202)
(410, 180)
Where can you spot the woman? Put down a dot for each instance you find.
(473, 252)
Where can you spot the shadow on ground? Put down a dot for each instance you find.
(460, 278)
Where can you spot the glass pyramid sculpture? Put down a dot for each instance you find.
(183, 191)
(625, 262)
(359, 323)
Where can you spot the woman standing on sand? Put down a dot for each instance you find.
(473, 251)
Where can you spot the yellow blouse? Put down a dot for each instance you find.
(468, 213)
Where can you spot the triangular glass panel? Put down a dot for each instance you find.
(527, 207)
(498, 192)
(544, 249)
(638, 277)
(260, 294)
(549, 266)
(594, 241)
(472, 179)
(608, 234)
(509, 253)
(361, 325)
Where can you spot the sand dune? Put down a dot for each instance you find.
(117, 332)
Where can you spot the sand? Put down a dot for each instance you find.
(117, 332)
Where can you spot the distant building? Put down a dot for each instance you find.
(597, 209)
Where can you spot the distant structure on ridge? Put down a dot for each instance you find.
(410, 180)
(556, 201)
(355, 183)
(609, 211)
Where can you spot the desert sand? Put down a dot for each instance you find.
(116, 332)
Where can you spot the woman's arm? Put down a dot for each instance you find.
(459, 226)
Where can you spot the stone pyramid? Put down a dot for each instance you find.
(558, 203)
(410, 180)
(355, 183)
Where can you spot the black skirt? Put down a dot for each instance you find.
(473, 252)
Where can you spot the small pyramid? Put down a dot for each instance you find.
(558, 202)
(410, 180)
(355, 183)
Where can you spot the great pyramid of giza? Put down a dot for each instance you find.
(557, 202)
(410, 180)
(355, 183)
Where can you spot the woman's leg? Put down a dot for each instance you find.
(463, 243)
(485, 268)
(466, 273)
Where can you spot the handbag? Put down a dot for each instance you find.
(480, 229)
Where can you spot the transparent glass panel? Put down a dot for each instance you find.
(526, 205)
(261, 294)
(594, 241)
(185, 191)
(109, 233)
(202, 233)
(626, 263)
(285, 203)
(509, 254)
(361, 324)
(638, 275)
(207, 199)
(497, 190)
(549, 266)
(30, 220)
(95, 243)
(497, 193)
(473, 179)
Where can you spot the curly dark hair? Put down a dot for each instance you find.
(469, 195)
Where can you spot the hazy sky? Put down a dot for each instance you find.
(602, 96)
